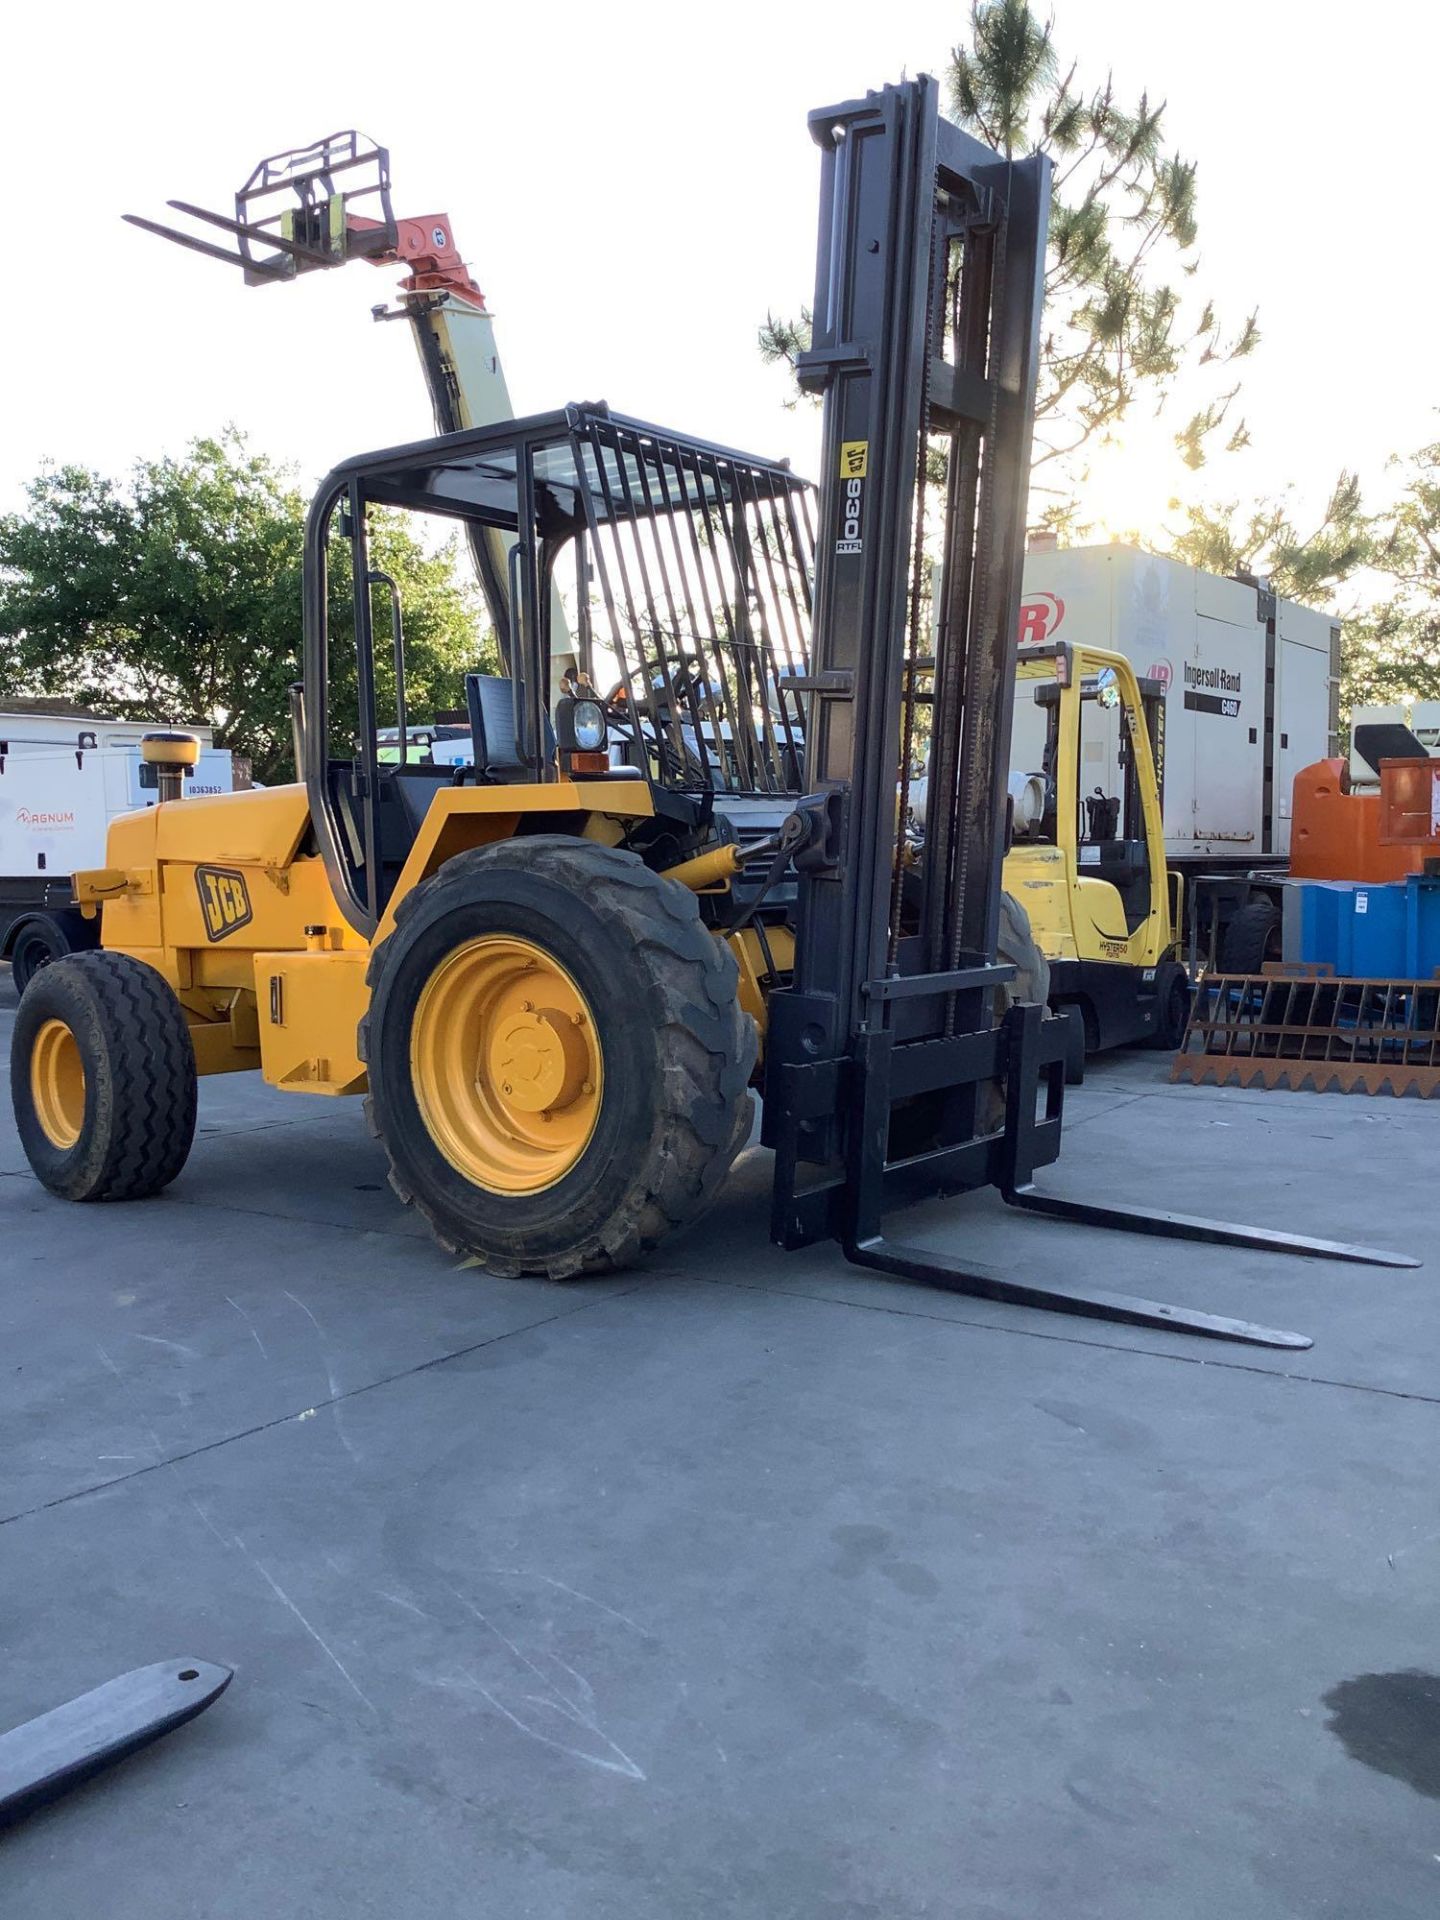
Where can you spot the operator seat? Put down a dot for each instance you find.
(1126, 865)
(495, 754)
(491, 702)
(405, 793)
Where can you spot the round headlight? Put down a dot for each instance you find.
(588, 720)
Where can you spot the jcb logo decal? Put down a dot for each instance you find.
(854, 458)
(224, 901)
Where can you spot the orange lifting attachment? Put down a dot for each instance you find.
(323, 205)
(317, 226)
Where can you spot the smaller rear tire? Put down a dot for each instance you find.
(1174, 1012)
(1076, 1042)
(102, 1078)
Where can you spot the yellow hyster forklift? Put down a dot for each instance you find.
(557, 970)
(1089, 869)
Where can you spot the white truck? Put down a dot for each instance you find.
(1252, 690)
(64, 775)
(1251, 694)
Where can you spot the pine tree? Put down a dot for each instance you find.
(1122, 318)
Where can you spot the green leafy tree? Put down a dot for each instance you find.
(1122, 319)
(1408, 551)
(1392, 652)
(1391, 561)
(175, 596)
(1309, 565)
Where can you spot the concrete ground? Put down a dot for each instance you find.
(745, 1585)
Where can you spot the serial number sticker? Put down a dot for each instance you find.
(854, 457)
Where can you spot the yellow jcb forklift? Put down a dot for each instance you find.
(556, 972)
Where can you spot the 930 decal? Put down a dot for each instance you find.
(854, 459)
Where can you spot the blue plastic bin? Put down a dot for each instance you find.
(1366, 932)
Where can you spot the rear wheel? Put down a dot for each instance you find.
(1174, 1011)
(102, 1078)
(39, 941)
(1077, 1043)
(559, 1065)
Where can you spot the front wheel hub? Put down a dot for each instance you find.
(57, 1084)
(539, 1060)
(506, 1064)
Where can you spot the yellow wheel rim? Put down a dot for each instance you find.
(506, 1064)
(57, 1084)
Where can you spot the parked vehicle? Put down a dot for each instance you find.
(65, 774)
(1249, 696)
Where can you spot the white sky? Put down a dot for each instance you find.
(634, 185)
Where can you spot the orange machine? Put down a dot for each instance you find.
(1337, 834)
(1339, 1023)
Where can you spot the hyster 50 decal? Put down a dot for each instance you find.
(854, 458)
(224, 901)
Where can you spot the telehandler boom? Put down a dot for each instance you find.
(558, 972)
(314, 208)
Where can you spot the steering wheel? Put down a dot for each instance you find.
(682, 681)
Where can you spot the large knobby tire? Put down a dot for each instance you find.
(102, 1077)
(1014, 945)
(670, 1106)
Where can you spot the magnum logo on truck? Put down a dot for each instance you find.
(39, 817)
(224, 901)
(1212, 690)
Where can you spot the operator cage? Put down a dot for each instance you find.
(683, 571)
